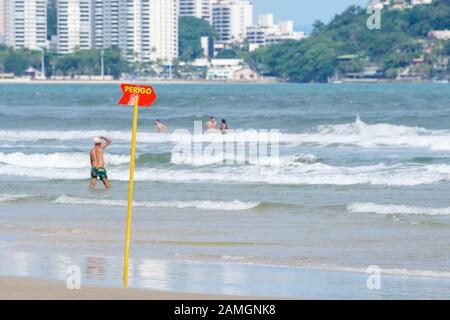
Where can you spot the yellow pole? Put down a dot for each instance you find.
(130, 192)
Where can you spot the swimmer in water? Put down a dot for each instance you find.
(160, 127)
(211, 125)
(224, 126)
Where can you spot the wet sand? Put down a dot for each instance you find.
(21, 288)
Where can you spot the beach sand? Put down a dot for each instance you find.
(21, 288)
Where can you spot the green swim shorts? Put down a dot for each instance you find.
(99, 173)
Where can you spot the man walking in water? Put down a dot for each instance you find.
(97, 162)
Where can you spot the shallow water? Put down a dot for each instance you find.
(363, 178)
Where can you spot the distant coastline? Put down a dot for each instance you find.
(154, 81)
(177, 81)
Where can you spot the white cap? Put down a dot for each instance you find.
(97, 140)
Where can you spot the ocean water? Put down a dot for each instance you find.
(362, 179)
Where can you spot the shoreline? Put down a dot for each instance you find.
(155, 81)
(27, 288)
(210, 82)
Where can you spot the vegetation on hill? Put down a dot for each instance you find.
(342, 47)
(402, 38)
(191, 31)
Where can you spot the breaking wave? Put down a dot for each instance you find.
(369, 207)
(10, 197)
(273, 161)
(197, 204)
(81, 160)
(358, 133)
(56, 160)
(300, 174)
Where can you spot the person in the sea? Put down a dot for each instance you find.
(160, 127)
(98, 170)
(224, 126)
(211, 125)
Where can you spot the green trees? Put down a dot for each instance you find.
(402, 38)
(85, 62)
(191, 30)
(17, 61)
(88, 62)
(446, 48)
(310, 60)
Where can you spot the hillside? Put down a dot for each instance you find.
(345, 46)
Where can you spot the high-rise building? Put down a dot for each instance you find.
(107, 24)
(231, 18)
(266, 20)
(25, 23)
(74, 25)
(197, 8)
(121, 23)
(2, 21)
(267, 33)
(163, 41)
(143, 29)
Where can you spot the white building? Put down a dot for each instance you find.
(144, 29)
(2, 21)
(74, 25)
(25, 23)
(396, 4)
(223, 69)
(439, 34)
(419, 2)
(378, 4)
(207, 44)
(231, 18)
(201, 9)
(163, 41)
(107, 24)
(266, 20)
(268, 33)
(124, 23)
(230, 69)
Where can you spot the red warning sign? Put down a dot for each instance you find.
(146, 95)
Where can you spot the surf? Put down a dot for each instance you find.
(196, 204)
(56, 160)
(298, 174)
(388, 209)
(358, 133)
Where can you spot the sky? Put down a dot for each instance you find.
(304, 12)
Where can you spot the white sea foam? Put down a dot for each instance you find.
(11, 197)
(305, 158)
(60, 135)
(403, 272)
(369, 207)
(395, 272)
(358, 133)
(300, 174)
(197, 204)
(56, 160)
(306, 174)
(224, 158)
(362, 134)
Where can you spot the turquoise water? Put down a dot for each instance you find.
(362, 179)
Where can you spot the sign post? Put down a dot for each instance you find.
(139, 96)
